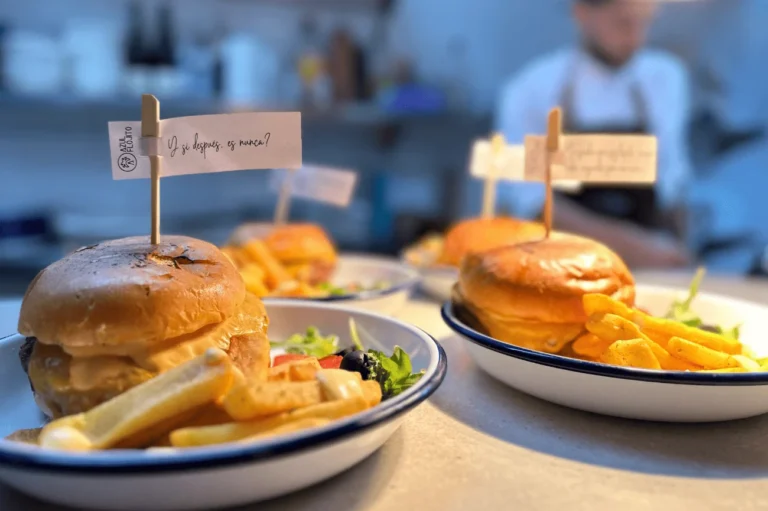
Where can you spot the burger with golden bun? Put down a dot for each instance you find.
(113, 315)
(481, 234)
(305, 250)
(530, 294)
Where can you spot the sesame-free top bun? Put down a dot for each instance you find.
(299, 243)
(481, 234)
(128, 291)
(530, 294)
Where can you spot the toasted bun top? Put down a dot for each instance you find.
(481, 234)
(544, 280)
(128, 291)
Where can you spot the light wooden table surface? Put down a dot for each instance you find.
(479, 445)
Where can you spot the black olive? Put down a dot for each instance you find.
(344, 352)
(367, 365)
(709, 328)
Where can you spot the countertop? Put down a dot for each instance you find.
(477, 444)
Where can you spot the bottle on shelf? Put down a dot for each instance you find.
(165, 75)
(135, 72)
(312, 67)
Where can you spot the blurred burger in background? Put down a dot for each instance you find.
(304, 250)
(530, 294)
(471, 236)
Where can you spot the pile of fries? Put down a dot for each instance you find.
(209, 401)
(425, 252)
(264, 275)
(619, 335)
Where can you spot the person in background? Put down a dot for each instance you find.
(608, 83)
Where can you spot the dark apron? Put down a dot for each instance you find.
(632, 203)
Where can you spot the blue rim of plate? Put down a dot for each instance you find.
(40, 460)
(594, 368)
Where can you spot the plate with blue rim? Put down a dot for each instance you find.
(386, 284)
(670, 396)
(224, 475)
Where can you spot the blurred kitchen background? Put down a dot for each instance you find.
(396, 90)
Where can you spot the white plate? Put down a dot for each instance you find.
(635, 393)
(438, 281)
(368, 270)
(211, 477)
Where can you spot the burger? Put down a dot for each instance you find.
(481, 234)
(110, 316)
(305, 250)
(530, 294)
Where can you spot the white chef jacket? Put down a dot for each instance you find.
(601, 96)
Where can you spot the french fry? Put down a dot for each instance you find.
(297, 289)
(171, 394)
(304, 370)
(233, 431)
(296, 370)
(235, 255)
(279, 373)
(301, 272)
(590, 345)
(274, 273)
(658, 329)
(631, 353)
(371, 392)
(665, 328)
(611, 327)
(700, 355)
(254, 400)
(747, 363)
(254, 269)
(290, 428)
(209, 415)
(598, 304)
(254, 284)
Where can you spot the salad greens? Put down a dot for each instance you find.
(396, 374)
(310, 343)
(393, 373)
(681, 309)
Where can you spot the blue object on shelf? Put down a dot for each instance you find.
(24, 227)
(412, 98)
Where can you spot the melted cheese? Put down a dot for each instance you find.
(95, 363)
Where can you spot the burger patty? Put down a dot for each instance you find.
(48, 372)
(25, 352)
(48, 369)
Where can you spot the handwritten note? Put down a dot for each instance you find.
(324, 184)
(510, 164)
(594, 158)
(208, 143)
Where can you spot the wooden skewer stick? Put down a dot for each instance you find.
(284, 199)
(150, 128)
(489, 190)
(554, 128)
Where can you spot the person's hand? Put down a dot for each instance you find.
(652, 250)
